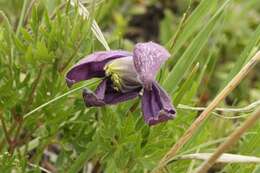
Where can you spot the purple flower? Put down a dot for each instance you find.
(125, 76)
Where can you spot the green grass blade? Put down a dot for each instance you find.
(94, 27)
(186, 85)
(57, 98)
(192, 23)
(244, 57)
(192, 52)
(21, 17)
(257, 169)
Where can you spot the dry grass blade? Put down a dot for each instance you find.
(194, 126)
(232, 139)
(41, 168)
(224, 158)
(94, 26)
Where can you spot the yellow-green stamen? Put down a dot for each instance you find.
(123, 74)
(114, 77)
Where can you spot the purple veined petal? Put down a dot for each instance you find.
(92, 66)
(156, 105)
(105, 94)
(148, 57)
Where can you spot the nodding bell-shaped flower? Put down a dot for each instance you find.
(125, 76)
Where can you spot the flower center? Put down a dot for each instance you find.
(123, 74)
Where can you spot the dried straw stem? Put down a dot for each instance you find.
(195, 125)
(232, 139)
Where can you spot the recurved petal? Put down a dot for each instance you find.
(92, 66)
(105, 94)
(148, 58)
(156, 105)
(95, 98)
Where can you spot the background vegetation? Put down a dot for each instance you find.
(41, 39)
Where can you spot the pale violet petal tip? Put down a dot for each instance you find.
(148, 58)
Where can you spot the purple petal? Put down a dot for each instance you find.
(156, 105)
(92, 66)
(148, 58)
(105, 94)
(97, 98)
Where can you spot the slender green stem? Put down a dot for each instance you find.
(21, 17)
(7, 137)
(55, 99)
(180, 28)
(5, 19)
(10, 31)
(28, 12)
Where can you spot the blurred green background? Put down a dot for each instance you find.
(41, 39)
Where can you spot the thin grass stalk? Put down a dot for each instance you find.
(20, 24)
(5, 131)
(173, 40)
(29, 10)
(41, 168)
(232, 139)
(198, 122)
(94, 26)
(56, 99)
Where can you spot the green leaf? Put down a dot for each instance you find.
(192, 52)
(193, 22)
(186, 85)
(35, 20)
(166, 28)
(18, 43)
(26, 35)
(42, 53)
(257, 169)
(29, 54)
(82, 158)
(251, 48)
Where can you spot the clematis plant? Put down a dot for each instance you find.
(125, 76)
